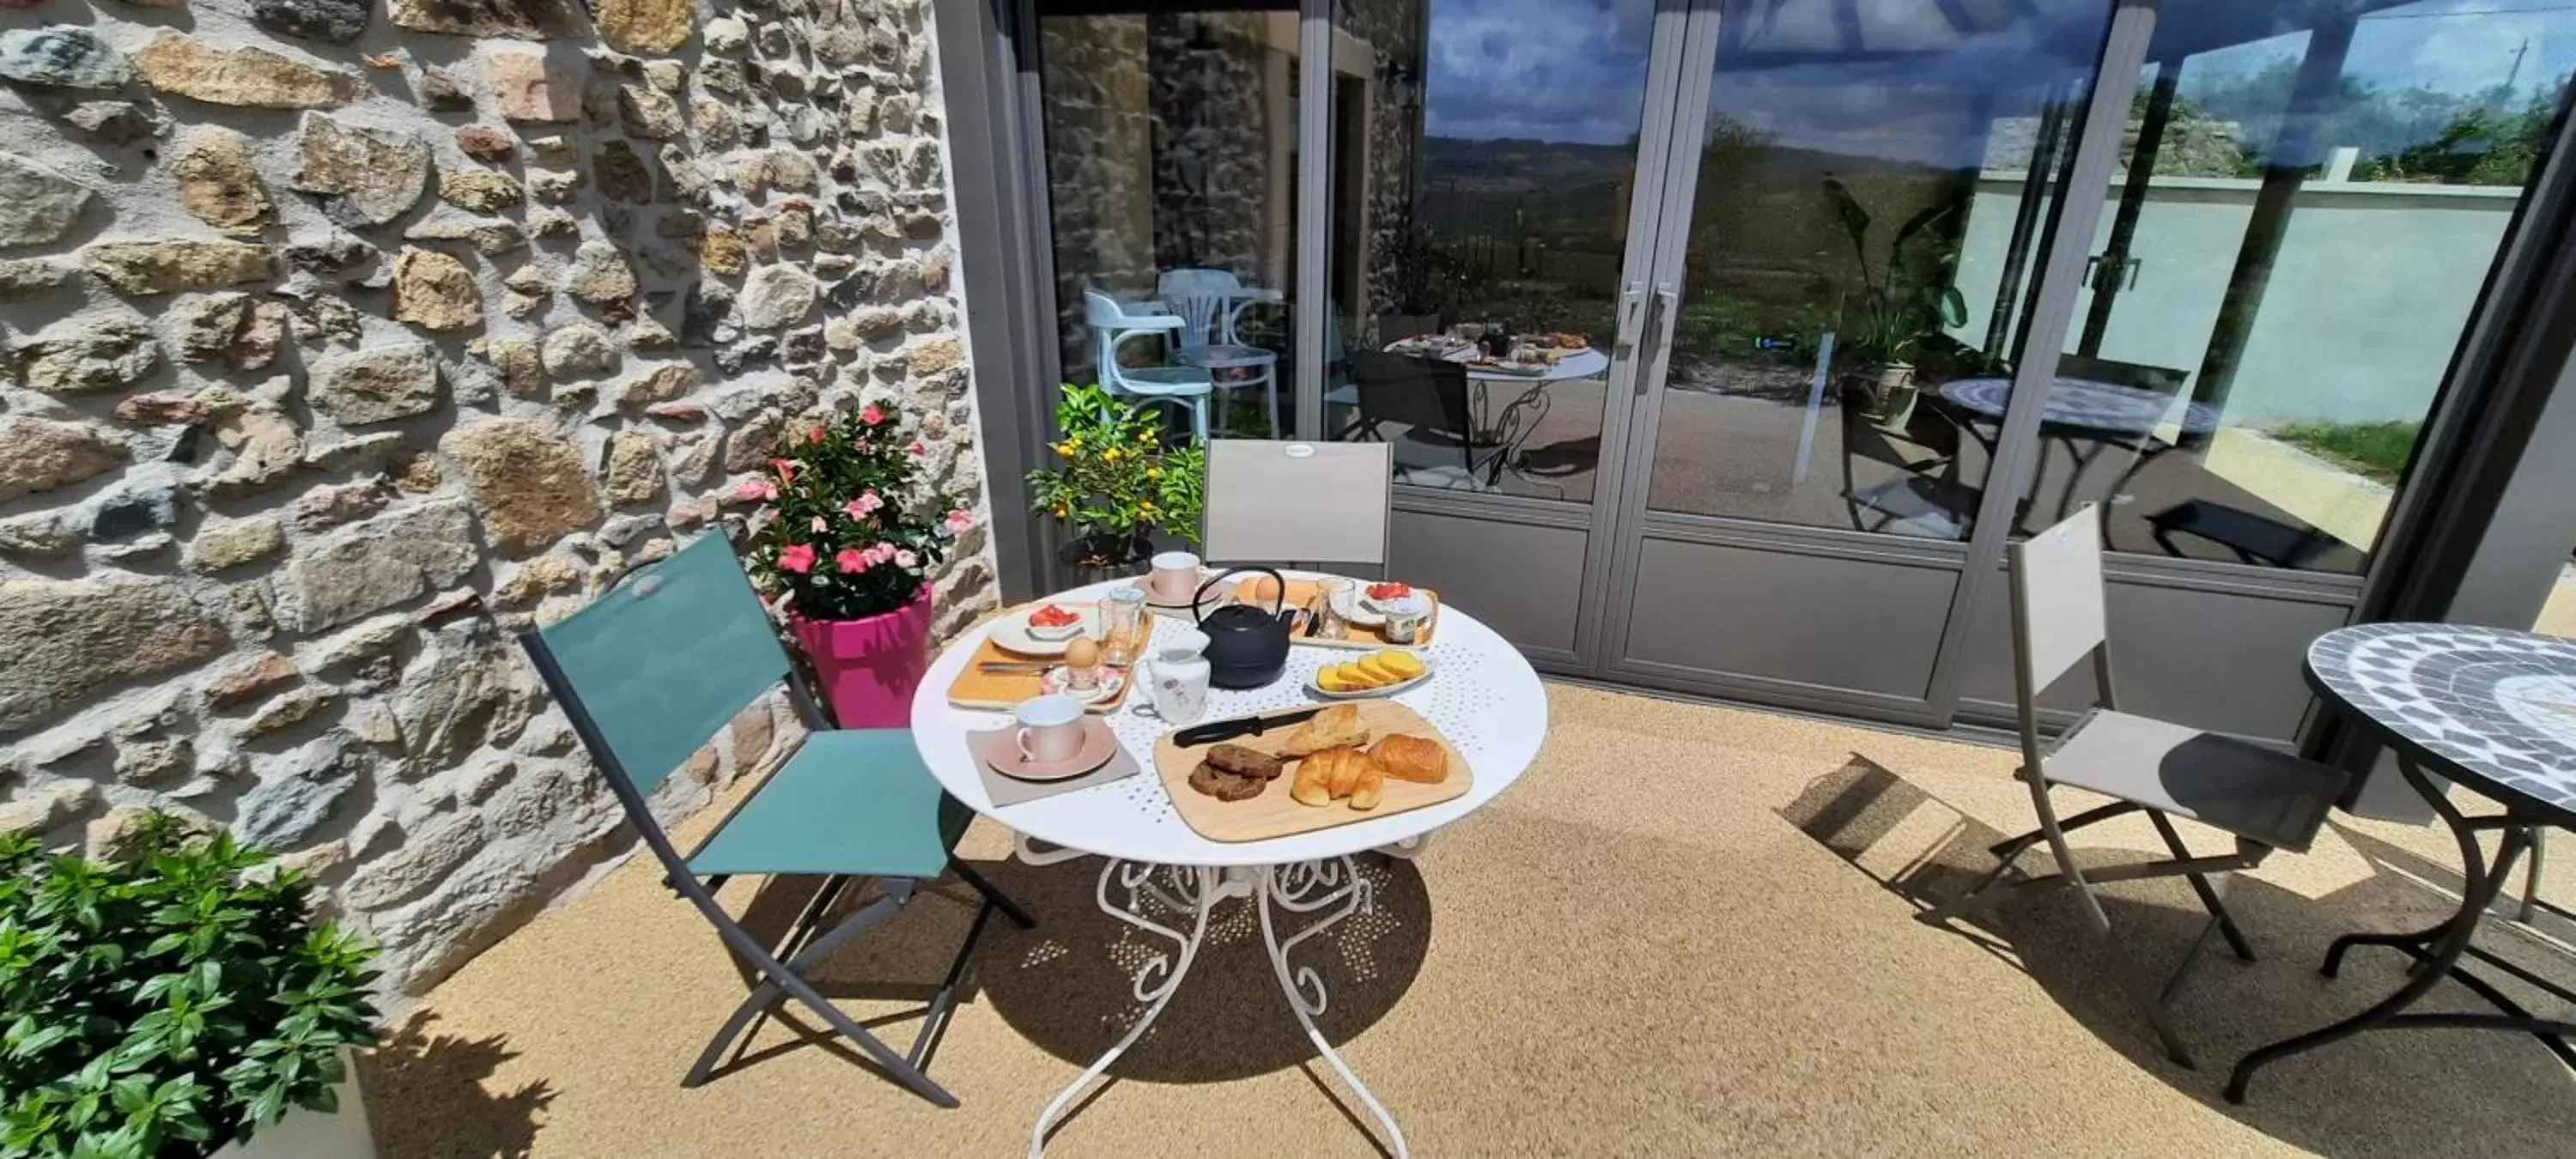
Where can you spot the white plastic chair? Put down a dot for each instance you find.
(2265, 798)
(1212, 302)
(1114, 322)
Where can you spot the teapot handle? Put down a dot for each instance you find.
(1275, 607)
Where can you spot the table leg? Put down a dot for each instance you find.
(1159, 977)
(2449, 940)
(1334, 886)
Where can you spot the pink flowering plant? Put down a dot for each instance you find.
(846, 531)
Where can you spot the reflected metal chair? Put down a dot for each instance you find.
(1428, 397)
(1212, 301)
(1926, 498)
(2265, 799)
(651, 670)
(1307, 503)
(1113, 323)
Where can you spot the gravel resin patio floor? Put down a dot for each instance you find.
(1687, 931)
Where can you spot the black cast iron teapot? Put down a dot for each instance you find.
(1247, 647)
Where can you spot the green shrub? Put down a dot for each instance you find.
(168, 1001)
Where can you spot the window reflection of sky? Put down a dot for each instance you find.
(1574, 70)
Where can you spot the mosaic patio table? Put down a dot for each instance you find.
(1160, 876)
(2085, 417)
(2494, 711)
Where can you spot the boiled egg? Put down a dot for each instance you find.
(1083, 652)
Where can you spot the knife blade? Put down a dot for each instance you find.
(1215, 731)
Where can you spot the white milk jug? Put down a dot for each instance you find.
(1176, 676)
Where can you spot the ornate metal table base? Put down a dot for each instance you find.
(2437, 952)
(1332, 888)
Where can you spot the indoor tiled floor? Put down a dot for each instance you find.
(1686, 932)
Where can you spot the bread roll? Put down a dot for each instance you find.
(1412, 758)
(1371, 788)
(1333, 727)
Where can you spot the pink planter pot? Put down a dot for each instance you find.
(869, 667)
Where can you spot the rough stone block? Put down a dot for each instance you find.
(381, 562)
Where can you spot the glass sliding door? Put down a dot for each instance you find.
(1827, 275)
(2299, 234)
(1855, 230)
(1486, 156)
(1169, 151)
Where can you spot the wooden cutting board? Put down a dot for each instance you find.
(1002, 692)
(1362, 639)
(1274, 813)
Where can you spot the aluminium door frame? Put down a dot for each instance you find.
(1975, 563)
(2066, 242)
(1666, 50)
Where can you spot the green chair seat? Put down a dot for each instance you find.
(851, 801)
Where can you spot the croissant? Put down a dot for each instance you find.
(1371, 788)
(1412, 758)
(1309, 787)
(1335, 772)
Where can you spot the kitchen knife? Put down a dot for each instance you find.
(1215, 731)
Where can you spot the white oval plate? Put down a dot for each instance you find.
(1011, 633)
(1430, 668)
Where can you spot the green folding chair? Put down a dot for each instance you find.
(647, 673)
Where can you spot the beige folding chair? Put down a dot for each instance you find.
(1282, 502)
(2266, 799)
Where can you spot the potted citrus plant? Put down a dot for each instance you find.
(848, 537)
(1115, 483)
(179, 999)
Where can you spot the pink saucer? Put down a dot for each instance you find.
(1098, 746)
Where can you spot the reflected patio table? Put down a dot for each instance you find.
(2086, 416)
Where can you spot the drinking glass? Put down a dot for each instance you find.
(1335, 593)
(1122, 625)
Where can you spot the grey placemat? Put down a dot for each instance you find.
(1011, 790)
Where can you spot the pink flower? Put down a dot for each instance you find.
(872, 414)
(959, 520)
(797, 557)
(821, 524)
(867, 502)
(906, 559)
(786, 469)
(916, 448)
(852, 560)
(755, 490)
(814, 434)
(883, 551)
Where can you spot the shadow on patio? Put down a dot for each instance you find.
(1640, 949)
(2364, 1096)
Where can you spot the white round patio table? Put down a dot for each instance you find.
(1162, 877)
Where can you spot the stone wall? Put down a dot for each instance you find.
(338, 342)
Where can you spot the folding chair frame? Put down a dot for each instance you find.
(778, 979)
(1987, 891)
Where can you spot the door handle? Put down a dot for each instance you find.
(1629, 299)
(1651, 334)
(2123, 277)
